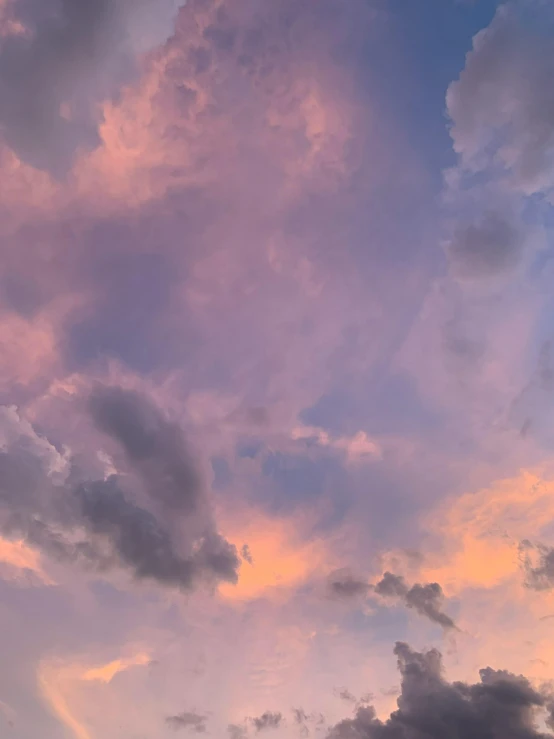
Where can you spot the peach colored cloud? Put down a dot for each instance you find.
(480, 532)
(60, 683)
(281, 560)
(106, 673)
(16, 558)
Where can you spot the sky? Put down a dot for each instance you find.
(276, 369)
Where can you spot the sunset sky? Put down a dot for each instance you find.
(276, 369)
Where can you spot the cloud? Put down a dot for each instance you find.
(268, 720)
(237, 732)
(425, 599)
(282, 559)
(539, 575)
(246, 554)
(347, 696)
(485, 249)
(46, 500)
(343, 584)
(188, 720)
(501, 704)
(154, 446)
(303, 720)
(359, 447)
(106, 673)
(502, 106)
(67, 58)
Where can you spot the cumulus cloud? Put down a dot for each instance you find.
(501, 704)
(425, 599)
(46, 499)
(65, 58)
(502, 106)
(187, 720)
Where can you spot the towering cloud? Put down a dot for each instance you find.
(59, 60)
(500, 705)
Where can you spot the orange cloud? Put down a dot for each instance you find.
(106, 673)
(16, 555)
(280, 561)
(59, 683)
(480, 532)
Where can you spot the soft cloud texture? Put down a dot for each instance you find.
(275, 309)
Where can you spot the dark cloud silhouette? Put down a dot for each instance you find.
(539, 571)
(268, 720)
(425, 599)
(485, 249)
(343, 584)
(73, 55)
(154, 446)
(101, 524)
(188, 720)
(500, 705)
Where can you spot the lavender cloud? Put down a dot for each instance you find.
(486, 248)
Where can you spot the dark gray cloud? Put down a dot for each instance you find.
(500, 705)
(425, 599)
(485, 249)
(539, 574)
(99, 523)
(188, 720)
(343, 584)
(73, 55)
(268, 720)
(154, 446)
